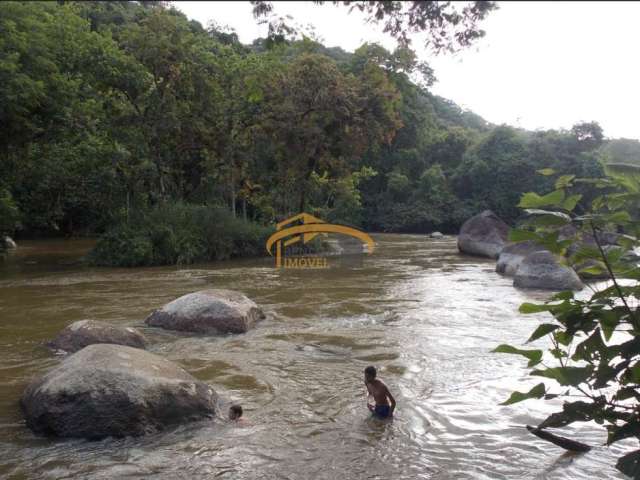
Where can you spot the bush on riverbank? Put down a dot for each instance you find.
(178, 234)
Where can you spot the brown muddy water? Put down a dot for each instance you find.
(425, 315)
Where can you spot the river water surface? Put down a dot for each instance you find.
(425, 315)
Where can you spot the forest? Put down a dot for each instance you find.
(174, 143)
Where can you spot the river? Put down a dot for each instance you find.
(427, 316)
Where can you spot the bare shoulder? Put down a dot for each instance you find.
(385, 387)
(381, 384)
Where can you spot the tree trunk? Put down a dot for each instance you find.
(565, 443)
(302, 198)
(233, 194)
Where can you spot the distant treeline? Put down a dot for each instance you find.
(112, 111)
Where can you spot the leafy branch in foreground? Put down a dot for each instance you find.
(448, 26)
(595, 341)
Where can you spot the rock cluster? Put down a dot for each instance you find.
(111, 386)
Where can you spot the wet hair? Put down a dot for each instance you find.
(371, 371)
(237, 410)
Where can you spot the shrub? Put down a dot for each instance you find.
(178, 234)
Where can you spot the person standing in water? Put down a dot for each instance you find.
(235, 413)
(385, 403)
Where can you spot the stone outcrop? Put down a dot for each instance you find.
(484, 235)
(88, 332)
(512, 256)
(544, 271)
(112, 390)
(208, 311)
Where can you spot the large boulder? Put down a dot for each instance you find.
(113, 390)
(512, 256)
(543, 270)
(484, 235)
(87, 332)
(587, 239)
(208, 311)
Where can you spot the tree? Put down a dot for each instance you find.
(448, 26)
(594, 359)
(322, 120)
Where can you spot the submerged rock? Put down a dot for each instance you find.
(87, 332)
(512, 256)
(484, 235)
(543, 270)
(208, 311)
(113, 390)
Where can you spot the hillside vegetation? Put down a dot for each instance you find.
(113, 111)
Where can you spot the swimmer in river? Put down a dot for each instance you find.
(235, 413)
(385, 403)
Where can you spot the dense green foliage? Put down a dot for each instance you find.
(621, 150)
(595, 354)
(114, 110)
(179, 234)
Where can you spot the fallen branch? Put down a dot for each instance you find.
(565, 443)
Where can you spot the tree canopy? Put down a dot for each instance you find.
(112, 108)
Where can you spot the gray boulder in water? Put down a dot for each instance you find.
(113, 390)
(87, 332)
(512, 256)
(436, 235)
(543, 270)
(9, 243)
(208, 311)
(484, 235)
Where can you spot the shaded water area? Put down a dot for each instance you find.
(424, 314)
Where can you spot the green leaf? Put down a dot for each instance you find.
(570, 202)
(536, 392)
(534, 308)
(593, 270)
(629, 464)
(634, 372)
(586, 253)
(534, 356)
(617, 217)
(546, 171)
(565, 295)
(566, 376)
(564, 181)
(519, 235)
(558, 353)
(626, 393)
(625, 174)
(548, 218)
(542, 330)
(578, 411)
(563, 338)
(533, 200)
(617, 433)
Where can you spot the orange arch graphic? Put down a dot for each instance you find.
(321, 228)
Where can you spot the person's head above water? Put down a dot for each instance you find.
(235, 412)
(370, 374)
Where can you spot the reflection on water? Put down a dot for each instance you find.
(425, 315)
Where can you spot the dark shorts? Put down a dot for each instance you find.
(382, 411)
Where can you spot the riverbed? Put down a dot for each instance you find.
(425, 315)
